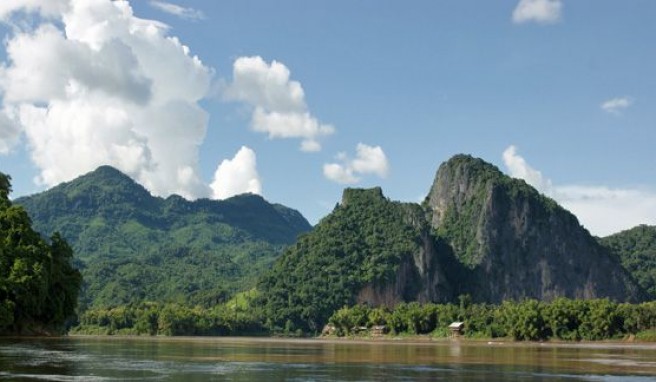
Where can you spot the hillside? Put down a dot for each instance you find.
(132, 246)
(636, 248)
(369, 249)
(478, 232)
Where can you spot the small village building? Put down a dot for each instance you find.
(379, 330)
(456, 328)
(328, 330)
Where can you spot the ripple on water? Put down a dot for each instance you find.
(65, 362)
(57, 377)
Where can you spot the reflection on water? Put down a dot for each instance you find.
(232, 359)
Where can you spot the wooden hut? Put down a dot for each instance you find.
(328, 330)
(456, 328)
(379, 330)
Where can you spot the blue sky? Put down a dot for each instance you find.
(560, 93)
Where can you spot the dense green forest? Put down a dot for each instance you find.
(132, 247)
(636, 248)
(562, 319)
(180, 275)
(479, 232)
(238, 316)
(38, 285)
(176, 267)
(362, 241)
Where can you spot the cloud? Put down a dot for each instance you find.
(602, 210)
(279, 103)
(47, 8)
(605, 210)
(9, 131)
(237, 176)
(518, 168)
(101, 86)
(616, 105)
(176, 10)
(368, 160)
(539, 11)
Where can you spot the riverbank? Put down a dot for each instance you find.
(647, 336)
(391, 340)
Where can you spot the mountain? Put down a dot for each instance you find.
(516, 243)
(478, 232)
(369, 249)
(133, 246)
(636, 248)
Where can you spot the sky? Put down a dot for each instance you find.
(296, 100)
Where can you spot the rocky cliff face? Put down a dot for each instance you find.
(420, 276)
(516, 243)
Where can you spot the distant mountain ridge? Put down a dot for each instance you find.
(109, 193)
(478, 233)
(116, 226)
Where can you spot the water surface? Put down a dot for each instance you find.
(252, 359)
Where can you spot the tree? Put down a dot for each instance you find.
(5, 186)
(38, 285)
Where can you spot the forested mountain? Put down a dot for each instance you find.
(478, 233)
(636, 248)
(132, 246)
(368, 249)
(516, 243)
(38, 284)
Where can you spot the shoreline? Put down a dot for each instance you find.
(414, 340)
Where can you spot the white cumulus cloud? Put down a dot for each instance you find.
(98, 85)
(602, 210)
(48, 8)
(177, 10)
(616, 105)
(518, 168)
(9, 131)
(368, 160)
(237, 176)
(279, 107)
(539, 11)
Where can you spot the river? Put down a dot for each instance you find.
(193, 359)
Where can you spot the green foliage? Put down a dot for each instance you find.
(646, 336)
(562, 316)
(361, 242)
(134, 247)
(527, 320)
(173, 319)
(523, 320)
(183, 275)
(636, 248)
(38, 285)
(350, 319)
